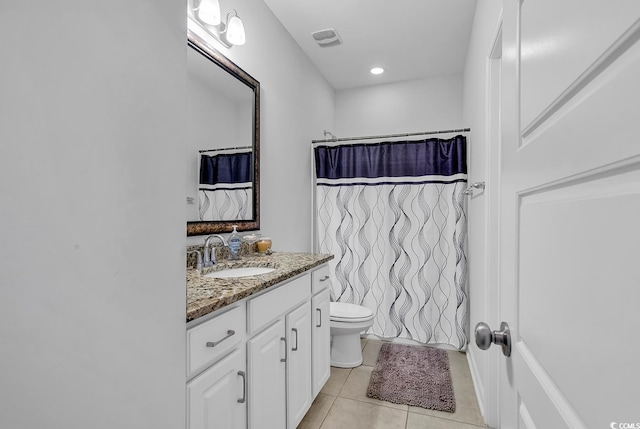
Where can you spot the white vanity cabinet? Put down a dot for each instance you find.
(217, 396)
(268, 357)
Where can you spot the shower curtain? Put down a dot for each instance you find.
(225, 191)
(393, 215)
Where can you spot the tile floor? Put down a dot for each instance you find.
(343, 403)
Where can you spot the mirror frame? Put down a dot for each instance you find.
(215, 227)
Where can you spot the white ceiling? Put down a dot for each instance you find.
(410, 39)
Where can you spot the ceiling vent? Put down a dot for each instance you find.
(327, 38)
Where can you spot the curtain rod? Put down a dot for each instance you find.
(459, 130)
(225, 148)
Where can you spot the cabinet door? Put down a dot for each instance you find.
(321, 336)
(217, 397)
(299, 365)
(267, 374)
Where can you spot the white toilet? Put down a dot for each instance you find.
(347, 321)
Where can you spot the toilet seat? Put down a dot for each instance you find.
(344, 312)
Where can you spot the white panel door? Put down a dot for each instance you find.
(570, 211)
(266, 366)
(560, 40)
(299, 364)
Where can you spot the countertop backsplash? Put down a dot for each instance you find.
(222, 252)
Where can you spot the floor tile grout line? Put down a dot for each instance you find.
(366, 402)
(333, 403)
(448, 419)
(376, 404)
(345, 383)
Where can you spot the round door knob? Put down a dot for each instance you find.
(484, 336)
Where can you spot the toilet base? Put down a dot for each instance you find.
(346, 350)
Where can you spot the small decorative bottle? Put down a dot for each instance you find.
(234, 244)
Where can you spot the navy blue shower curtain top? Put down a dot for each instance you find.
(226, 168)
(420, 158)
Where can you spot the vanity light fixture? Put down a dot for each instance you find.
(377, 70)
(229, 33)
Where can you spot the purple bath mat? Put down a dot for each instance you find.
(413, 375)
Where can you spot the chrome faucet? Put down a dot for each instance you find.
(209, 255)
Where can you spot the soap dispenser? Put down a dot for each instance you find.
(234, 244)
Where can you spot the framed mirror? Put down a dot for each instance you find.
(223, 142)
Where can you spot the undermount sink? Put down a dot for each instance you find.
(239, 272)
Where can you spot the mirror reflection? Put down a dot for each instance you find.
(222, 142)
(220, 110)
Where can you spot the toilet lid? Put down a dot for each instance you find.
(342, 310)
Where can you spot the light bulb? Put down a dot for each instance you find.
(235, 31)
(209, 12)
(377, 70)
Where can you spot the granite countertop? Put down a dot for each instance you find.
(205, 295)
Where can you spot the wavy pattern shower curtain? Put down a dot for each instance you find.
(393, 215)
(226, 188)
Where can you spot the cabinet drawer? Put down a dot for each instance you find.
(209, 341)
(320, 279)
(265, 308)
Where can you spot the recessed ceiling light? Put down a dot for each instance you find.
(377, 70)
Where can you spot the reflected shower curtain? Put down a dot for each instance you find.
(226, 188)
(393, 215)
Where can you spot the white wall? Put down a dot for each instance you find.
(92, 313)
(296, 105)
(412, 106)
(481, 159)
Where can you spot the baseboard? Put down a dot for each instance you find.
(477, 383)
